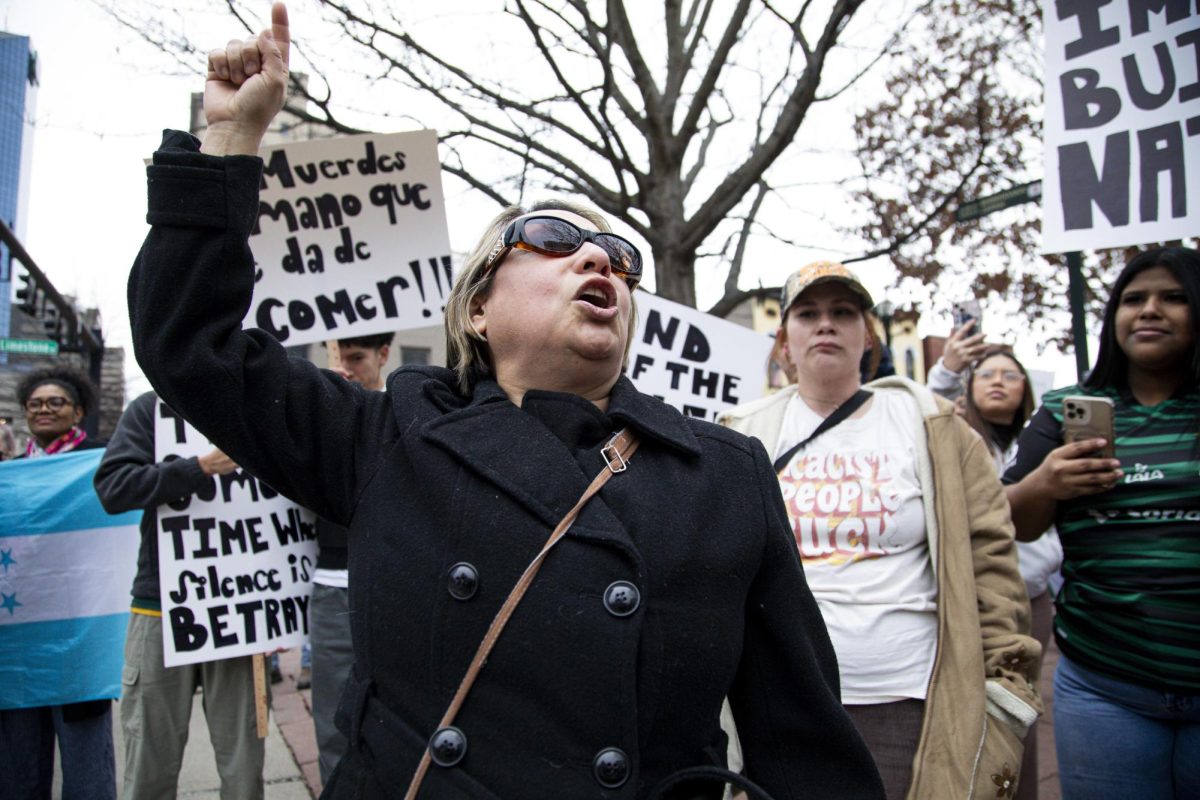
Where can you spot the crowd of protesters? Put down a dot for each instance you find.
(844, 590)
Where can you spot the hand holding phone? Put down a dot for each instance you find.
(966, 311)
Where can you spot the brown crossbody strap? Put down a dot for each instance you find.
(616, 457)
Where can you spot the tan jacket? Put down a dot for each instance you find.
(982, 697)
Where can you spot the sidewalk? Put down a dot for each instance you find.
(290, 770)
(291, 764)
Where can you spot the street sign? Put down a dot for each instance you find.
(29, 347)
(1025, 193)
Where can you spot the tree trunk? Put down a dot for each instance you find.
(675, 274)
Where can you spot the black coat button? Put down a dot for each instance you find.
(611, 767)
(447, 746)
(622, 598)
(463, 581)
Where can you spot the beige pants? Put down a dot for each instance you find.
(156, 704)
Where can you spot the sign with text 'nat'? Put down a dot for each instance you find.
(235, 562)
(1122, 128)
(350, 238)
(698, 363)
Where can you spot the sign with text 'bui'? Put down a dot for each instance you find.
(350, 238)
(235, 562)
(1122, 129)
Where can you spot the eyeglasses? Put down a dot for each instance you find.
(1008, 375)
(552, 236)
(53, 403)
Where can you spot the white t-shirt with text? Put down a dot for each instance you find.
(855, 504)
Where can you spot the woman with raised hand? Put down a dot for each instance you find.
(906, 542)
(1127, 686)
(963, 348)
(490, 660)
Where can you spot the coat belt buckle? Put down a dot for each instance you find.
(613, 459)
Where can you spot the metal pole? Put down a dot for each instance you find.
(66, 310)
(1078, 317)
(95, 357)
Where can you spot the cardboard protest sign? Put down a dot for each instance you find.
(1122, 129)
(698, 363)
(235, 563)
(350, 238)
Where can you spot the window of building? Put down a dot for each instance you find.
(414, 355)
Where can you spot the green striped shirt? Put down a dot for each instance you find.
(1130, 602)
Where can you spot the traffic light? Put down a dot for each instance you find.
(51, 321)
(27, 294)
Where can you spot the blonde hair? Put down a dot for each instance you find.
(467, 351)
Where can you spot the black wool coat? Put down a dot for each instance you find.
(428, 481)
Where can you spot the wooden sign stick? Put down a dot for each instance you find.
(260, 693)
(334, 352)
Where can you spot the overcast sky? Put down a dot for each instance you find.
(101, 106)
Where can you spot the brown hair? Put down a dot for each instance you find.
(1002, 436)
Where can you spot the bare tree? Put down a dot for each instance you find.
(961, 119)
(669, 120)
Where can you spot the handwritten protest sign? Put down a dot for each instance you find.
(350, 238)
(235, 562)
(1122, 129)
(698, 363)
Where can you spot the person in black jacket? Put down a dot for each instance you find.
(678, 584)
(156, 701)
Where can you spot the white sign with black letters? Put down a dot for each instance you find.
(698, 363)
(235, 562)
(350, 238)
(1122, 128)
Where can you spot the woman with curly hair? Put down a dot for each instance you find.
(56, 400)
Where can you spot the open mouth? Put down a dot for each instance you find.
(598, 293)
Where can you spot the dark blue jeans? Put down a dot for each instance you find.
(27, 754)
(1117, 740)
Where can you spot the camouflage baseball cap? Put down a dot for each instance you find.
(819, 272)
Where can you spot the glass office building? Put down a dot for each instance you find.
(18, 89)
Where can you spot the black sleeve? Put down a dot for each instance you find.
(1041, 435)
(797, 739)
(128, 477)
(308, 433)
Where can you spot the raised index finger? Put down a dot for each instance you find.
(279, 29)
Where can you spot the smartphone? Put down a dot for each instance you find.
(966, 311)
(1089, 418)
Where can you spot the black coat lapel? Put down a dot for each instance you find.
(509, 448)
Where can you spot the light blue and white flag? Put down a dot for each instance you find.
(66, 567)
